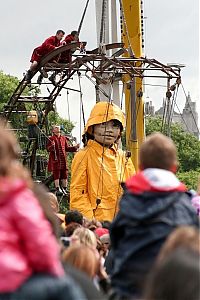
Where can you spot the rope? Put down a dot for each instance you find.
(164, 117)
(95, 84)
(81, 97)
(68, 105)
(122, 96)
(83, 16)
(102, 158)
(171, 112)
(182, 116)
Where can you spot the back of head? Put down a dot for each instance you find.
(42, 195)
(183, 236)
(69, 229)
(86, 237)
(73, 216)
(10, 165)
(81, 257)
(53, 202)
(9, 149)
(158, 151)
(176, 278)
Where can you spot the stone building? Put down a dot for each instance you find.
(188, 118)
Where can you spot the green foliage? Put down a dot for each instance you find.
(55, 119)
(8, 84)
(189, 178)
(188, 147)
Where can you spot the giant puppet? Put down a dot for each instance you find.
(99, 169)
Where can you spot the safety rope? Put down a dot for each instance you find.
(171, 111)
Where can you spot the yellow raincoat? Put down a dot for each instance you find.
(97, 171)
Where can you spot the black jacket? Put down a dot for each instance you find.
(143, 223)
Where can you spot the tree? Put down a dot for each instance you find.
(188, 147)
(8, 84)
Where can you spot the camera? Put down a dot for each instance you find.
(65, 241)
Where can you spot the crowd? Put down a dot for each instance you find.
(146, 246)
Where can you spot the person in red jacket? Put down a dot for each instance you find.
(47, 46)
(58, 146)
(66, 56)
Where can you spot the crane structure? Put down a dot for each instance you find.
(132, 36)
(108, 63)
(131, 15)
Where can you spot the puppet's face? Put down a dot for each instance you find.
(107, 133)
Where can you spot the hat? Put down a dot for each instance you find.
(101, 231)
(104, 112)
(105, 238)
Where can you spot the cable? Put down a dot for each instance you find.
(81, 97)
(83, 16)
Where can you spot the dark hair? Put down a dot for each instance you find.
(177, 278)
(42, 195)
(60, 31)
(74, 32)
(73, 216)
(106, 224)
(69, 229)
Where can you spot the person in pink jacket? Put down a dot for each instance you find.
(27, 244)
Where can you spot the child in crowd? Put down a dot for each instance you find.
(153, 204)
(29, 258)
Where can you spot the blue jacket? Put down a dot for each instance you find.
(154, 203)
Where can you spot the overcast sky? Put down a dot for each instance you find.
(171, 36)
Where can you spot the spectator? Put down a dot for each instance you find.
(73, 216)
(153, 204)
(196, 199)
(29, 260)
(81, 257)
(176, 278)
(53, 202)
(93, 225)
(69, 229)
(84, 236)
(183, 236)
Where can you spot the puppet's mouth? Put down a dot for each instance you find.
(108, 136)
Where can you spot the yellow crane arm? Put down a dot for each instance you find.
(132, 37)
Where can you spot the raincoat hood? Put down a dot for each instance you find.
(151, 192)
(155, 180)
(104, 112)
